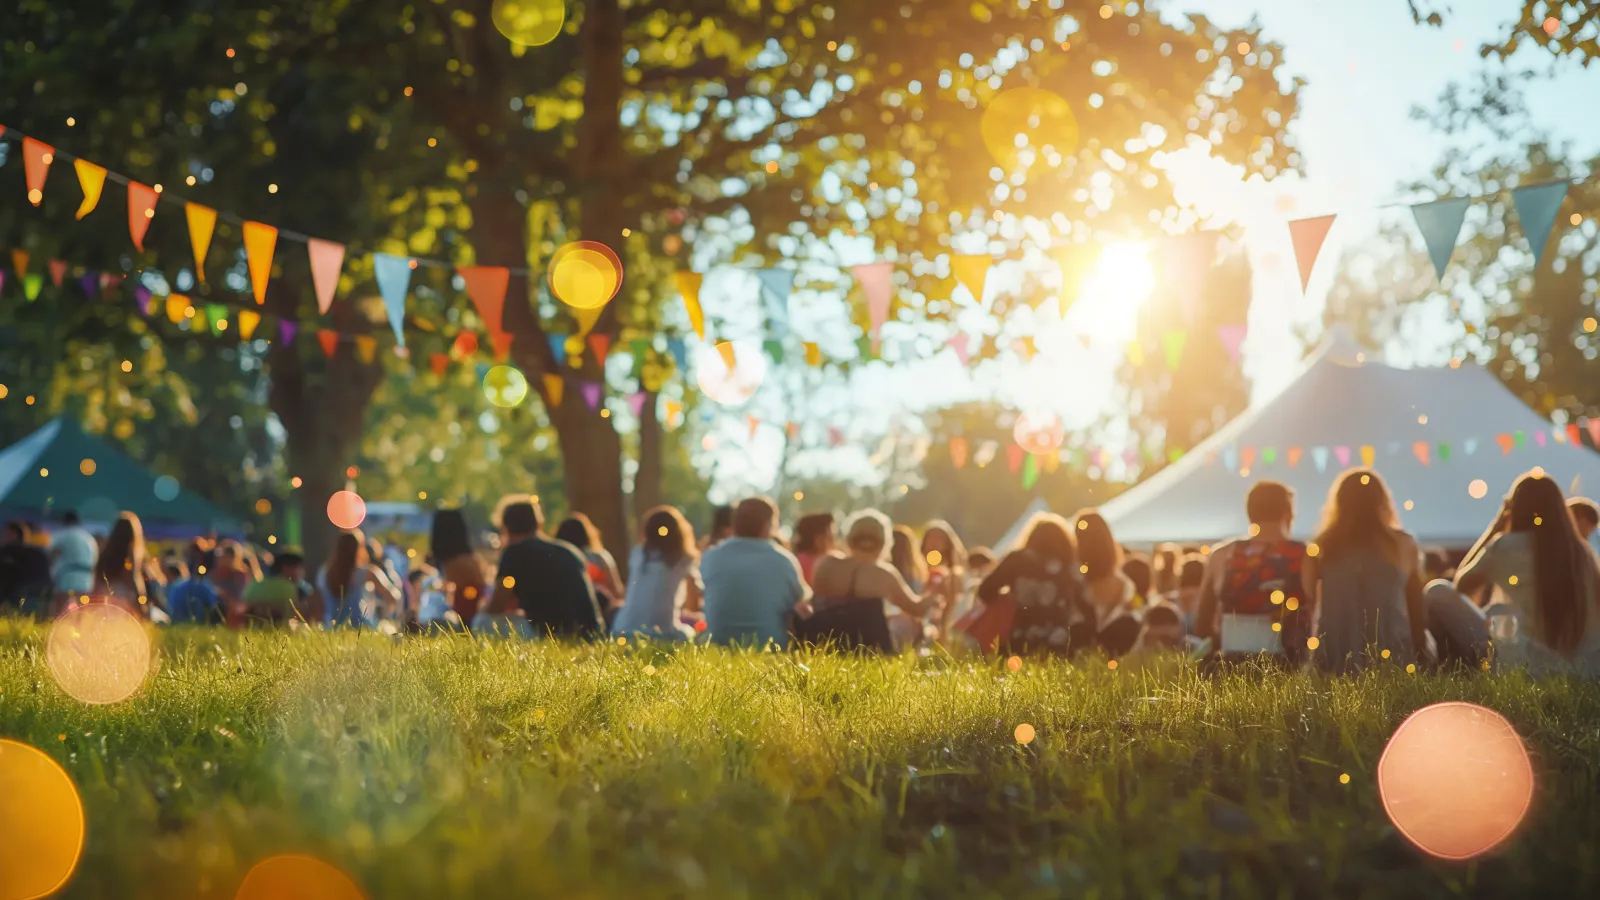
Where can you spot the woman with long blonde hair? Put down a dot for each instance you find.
(1365, 575)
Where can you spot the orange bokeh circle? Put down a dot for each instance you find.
(346, 510)
(1039, 432)
(585, 274)
(300, 877)
(41, 817)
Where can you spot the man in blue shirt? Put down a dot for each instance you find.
(752, 585)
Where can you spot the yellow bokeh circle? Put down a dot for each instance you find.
(505, 386)
(585, 274)
(1043, 120)
(98, 653)
(41, 818)
(530, 23)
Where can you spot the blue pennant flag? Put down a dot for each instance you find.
(1319, 455)
(1440, 224)
(483, 371)
(1536, 209)
(680, 352)
(394, 279)
(1230, 458)
(558, 348)
(776, 286)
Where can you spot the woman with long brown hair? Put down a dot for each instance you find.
(119, 572)
(1533, 556)
(1364, 575)
(946, 557)
(1111, 594)
(1041, 581)
(663, 578)
(813, 539)
(348, 582)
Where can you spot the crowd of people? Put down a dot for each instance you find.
(1361, 593)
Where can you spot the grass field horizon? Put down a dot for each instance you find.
(447, 767)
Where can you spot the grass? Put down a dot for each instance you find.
(440, 767)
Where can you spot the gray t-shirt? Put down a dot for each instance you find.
(656, 593)
(1509, 564)
(752, 586)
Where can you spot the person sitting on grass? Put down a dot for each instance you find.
(813, 539)
(1586, 516)
(190, 600)
(450, 546)
(25, 585)
(542, 588)
(1110, 593)
(752, 586)
(351, 587)
(946, 557)
(1138, 570)
(1041, 581)
(119, 569)
(578, 531)
(283, 594)
(1252, 599)
(853, 591)
(663, 578)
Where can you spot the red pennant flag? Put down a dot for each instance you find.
(1421, 449)
(1294, 456)
(958, 451)
(1574, 434)
(330, 342)
(1594, 432)
(466, 345)
(1014, 454)
(36, 159)
(502, 345)
(1308, 235)
(1247, 455)
(1506, 442)
(486, 285)
(441, 362)
(600, 343)
(58, 271)
(141, 209)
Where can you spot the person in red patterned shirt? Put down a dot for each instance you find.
(1251, 598)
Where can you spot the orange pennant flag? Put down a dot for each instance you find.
(689, 286)
(259, 242)
(202, 222)
(486, 286)
(92, 179)
(248, 320)
(1506, 442)
(330, 342)
(141, 209)
(58, 271)
(600, 343)
(726, 349)
(1307, 236)
(813, 354)
(327, 258)
(441, 362)
(466, 345)
(1421, 449)
(19, 263)
(1294, 456)
(673, 408)
(754, 423)
(36, 159)
(958, 451)
(553, 388)
(502, 345)
(366, 347)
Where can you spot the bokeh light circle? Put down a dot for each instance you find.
(166, 489)
(98, 653)
(1455, 779)
(1024, 733)
(1039, 432)
(300, 877)
(585, 274)
(41, 817)
(1042, 118)
(346, 510)
(731, 385)
(531, 23)
(505, 386)
(1478, 489)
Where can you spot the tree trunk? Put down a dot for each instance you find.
(647, 482)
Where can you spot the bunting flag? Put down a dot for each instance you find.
(1342, 454)
(286, 331)
(791, 430)
(774, 350)
(36, 159)
(1440, 224)
(330, 342)
(876, 280)
(1422, 451)
(1269, 455)
(972, 273)
(366, 348)
(1518, 438)
(217, 316)
(92, 179)
(89, 283)
(958, 451)
(725, 348)
(327, 258)
(177, 306)
(678, 348)
(1469, 445)
(1444, 452)
(1294, 456)
(1536, 207)
(636, 403)
(558, 348)
(1172, 344)
(600, 344)
(31, 286)
(754, 425)
(465, 345)
(1135, 354)
(835, 437)
(249, 319)
(776, 286)
(1075, 261)
(1230, 459)
(1232, 338)
(259, 242)
(1594, 431)
(394, 279)
(58, 272)
(486, 287)
(440, 363)
(19, 263)
(1538, 438)
(141, 209)
(1014, 455)
(959, 343)
(1052, 462)
(813, 353)
(587, 317)
(1184, 263)
(1319, 456)
(1506, 442)
(591, 393)
(1368, 454)
(1030, 471)
(202, 222)
(689, 284)
(554, 387)
(673, 408)
(502, 345)
(1307, 236)
(1247, 457)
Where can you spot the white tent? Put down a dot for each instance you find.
(1343, 401)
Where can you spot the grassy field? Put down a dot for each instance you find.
(433, 768)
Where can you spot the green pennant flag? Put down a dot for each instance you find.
(1269, 455)
(775, 351)
(1519, 439)
(1030, 472)
(31, 283)
(864, 347)
(215, 313)
(1444, 452)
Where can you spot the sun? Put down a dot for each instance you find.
(1108, 304)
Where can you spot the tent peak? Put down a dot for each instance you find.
(1339, 345)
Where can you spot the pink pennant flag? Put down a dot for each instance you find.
(1342, 454)
(636, 403)
(877, 282)
(591, 393)
(1539, 438)
(1594, 431)
(959, 345)
(1232, 338)
(327, 258)
(1308, 235)
(1184, 264)
(486, 285)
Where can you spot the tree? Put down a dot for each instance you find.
(1565, 28)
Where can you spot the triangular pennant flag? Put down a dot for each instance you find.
(1014, 454)
(754, 425)
(600, 344)
(1440, 224)
(689, 286)
(1537, 206)
(1423, 452)
(248, 320)
(1506, 442)
(394, 279)
(141, 209)
(1247, 457)
(259, 243)
(1052, 462)
(1594, 431)
(1294, 456)
(1030, 472)
(1444, 452)
(1368, 454)
(1342, 454)
(673, 408)
(177, 307)
(1307, 236)
(286, 330)
(636, 403)
(87, 283)
(19, 262)
(587, 317)
(1538, 438)
(202, 222)
(774, 351)
(1075, 261)
(58, 272)
(638, 348)
(1230, 459)
(486, 286)
(36, 159)
(729, 357)
(1469, 445)
(466, 345)
(1319, 456)
(327, 258)
(216, 315)
(835, 437)
(558, 348)
(1232, 338)
(1518, 438)
(330, 342)
(1172, 345)
(591, 393)
(678, 348)
(1135, 353)
(876, 280)
(958, 451)
(440, 363)
(366, 347)
(1183, 266)
(791, 430)
(958, 342)
(1269, 455)
(813, 354)
(502, 345)
(554, 386)
(92, 179)
(31, 285)
(776, 286)
(145, 299)
(971, 272)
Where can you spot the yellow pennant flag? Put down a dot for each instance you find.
(92, 179)
(248, 320)
(202, 221)
(813, 354)
(689, 286)
(553, 388)
(1368, 454)
(1076, 261)
(586, 319)
(674, 408)
(366, 347)
(972, 272)
(726, 349)
(259, 241)
(177, 307)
